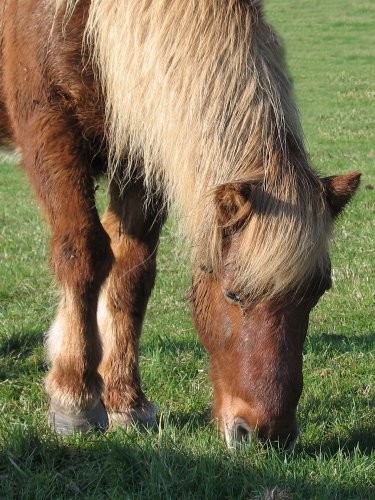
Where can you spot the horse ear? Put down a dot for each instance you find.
(340, 189)
(233, 204)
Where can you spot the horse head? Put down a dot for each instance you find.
(255, 341)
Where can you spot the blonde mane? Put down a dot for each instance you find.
(198, 90)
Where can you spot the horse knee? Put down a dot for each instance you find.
(81, 258)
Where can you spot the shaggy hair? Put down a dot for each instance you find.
(198, 90)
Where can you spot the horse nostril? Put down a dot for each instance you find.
(240, 431)
(279, 432)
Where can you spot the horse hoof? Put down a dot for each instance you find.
(144, 417)
(64, 422)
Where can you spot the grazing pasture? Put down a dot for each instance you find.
(330, 57)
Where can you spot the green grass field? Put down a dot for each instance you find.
(330, 48)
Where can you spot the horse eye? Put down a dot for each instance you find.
(232, 296)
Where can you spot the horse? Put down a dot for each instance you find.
(185, 106)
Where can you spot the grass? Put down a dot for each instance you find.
(330, 51)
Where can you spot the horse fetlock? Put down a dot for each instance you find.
(73, 389)
(144, 417)
(75, 404)
(65, 421)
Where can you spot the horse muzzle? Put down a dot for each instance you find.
(240, 432)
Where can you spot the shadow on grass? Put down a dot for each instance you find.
(21, 358)
(361, 438)
(191, 421)
(121, 465)
(340, 343)
(21, 343)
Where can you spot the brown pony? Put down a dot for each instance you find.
(185, 105)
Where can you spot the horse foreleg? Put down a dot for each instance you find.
(81, 259)
(134, 236)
